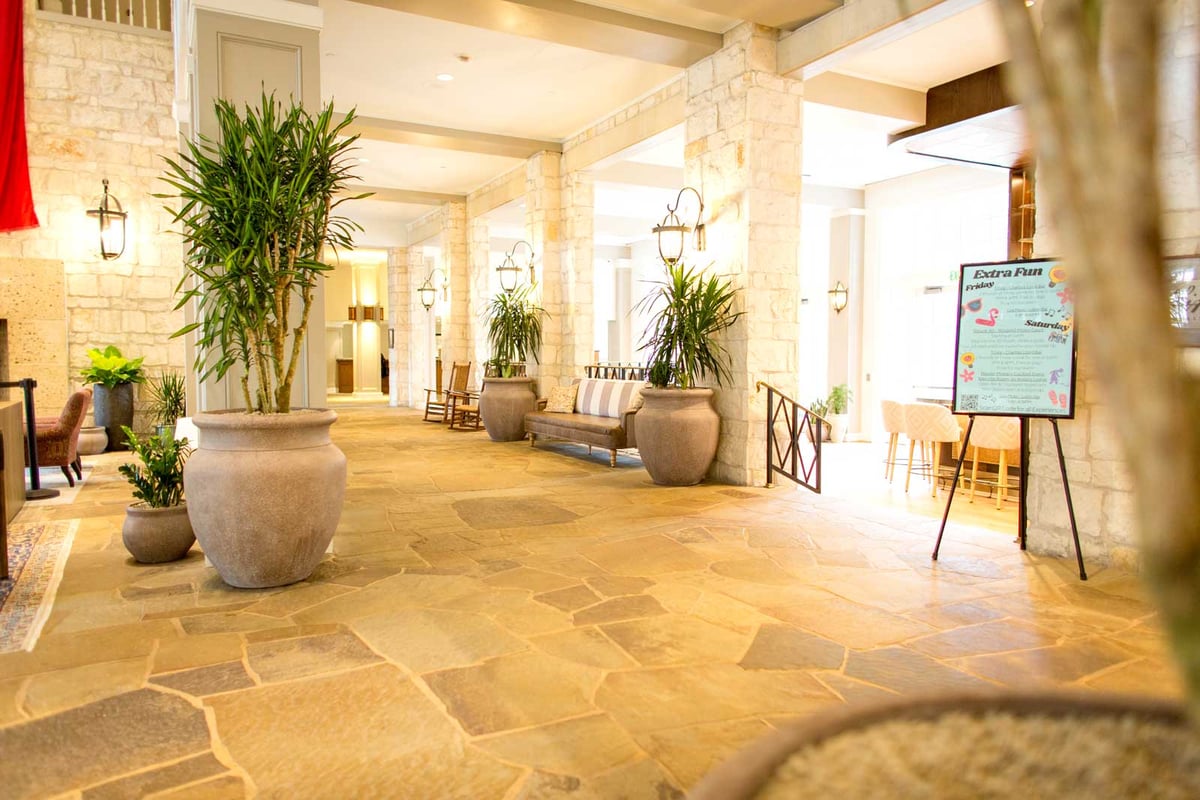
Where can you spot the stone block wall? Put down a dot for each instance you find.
(99, 105)
(1101, 489)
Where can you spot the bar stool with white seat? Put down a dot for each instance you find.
(995, 433)
(893, 424)
(929, 424)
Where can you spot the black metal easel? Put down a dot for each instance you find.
(35, 491)
(1062, 465)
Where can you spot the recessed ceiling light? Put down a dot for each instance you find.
(362, 160)
(445, 77)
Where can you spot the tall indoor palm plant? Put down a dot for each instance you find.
(257, 209)
(677, 428)
(514, 329)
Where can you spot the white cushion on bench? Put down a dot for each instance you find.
(606, 398)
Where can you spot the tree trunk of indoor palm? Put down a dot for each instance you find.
(1089, 84)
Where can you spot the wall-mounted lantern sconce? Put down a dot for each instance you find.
(510, 270)
(427, 292)
(352, 313)
(839, 296)
(672, 230)
(368, 312)
(112, 216)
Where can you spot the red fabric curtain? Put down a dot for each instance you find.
(16, 197)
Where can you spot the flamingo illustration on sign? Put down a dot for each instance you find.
(990, 320)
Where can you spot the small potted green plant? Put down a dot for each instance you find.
(515, 335)
(156, 527)
(168, 401)
(113, 376)
(677, 427)
(820, 407)
(839, 408)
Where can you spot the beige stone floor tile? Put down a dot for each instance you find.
(203, 681)
(987, 637)
(642, 778)
(1145, 676)
(644, 556)
(532, 579)
(1062, 664)
(691, 753)
(388, 595)
(387, 739)
(514, 609)
(515, 691)
(224, 787)
(145, 784)
(616, 586)
(428, 639)
(778, 646)
(676, 639)
(569, 599)
(584, 646)
(288, 659)
(619, 608)
(196, 651)
(658, 699)
(229, 622)
(62, 689)
(755, 570)
(908, 672)
(10, 701)
(116, 643)
(579, 747)
(956, 615)
(855, 692)
(301, 597)
(853, 625)
(138, 730)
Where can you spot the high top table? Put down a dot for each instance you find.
(12, 426)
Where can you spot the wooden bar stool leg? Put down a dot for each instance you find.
(890, 461)
(908, 472)
(974, 473)
(1002, 480)
(935, 466)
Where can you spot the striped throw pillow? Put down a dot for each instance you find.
(607, 398)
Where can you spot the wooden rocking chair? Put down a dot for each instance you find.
(437, 401)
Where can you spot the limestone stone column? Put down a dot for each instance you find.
(578, 271)
(399, 325)
(479, 280)
(743, 154)
(456, 341)
(543, 220)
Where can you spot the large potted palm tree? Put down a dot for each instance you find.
(258, 211)
(677, 426)
(515, 334)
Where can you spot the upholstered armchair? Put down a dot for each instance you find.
(57, 439)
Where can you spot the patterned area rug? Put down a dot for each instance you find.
(37, 553)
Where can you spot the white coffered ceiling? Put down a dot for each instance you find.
(532, 87)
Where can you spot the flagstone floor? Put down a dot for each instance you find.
(499, 621)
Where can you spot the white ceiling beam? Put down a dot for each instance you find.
(859, 26)
(574, 24)
(868, 97)
(392, 195)
(632, 173)
(413, 133)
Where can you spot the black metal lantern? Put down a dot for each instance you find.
(112, 216)
(839, 297)
(510, 270)
(427, 294)
(672, 231)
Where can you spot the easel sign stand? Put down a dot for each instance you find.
(1015, 356)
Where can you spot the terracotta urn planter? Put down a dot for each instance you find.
(1028, 744)
(677, 434)
(503, 404)
(265, 493)
(155, 535)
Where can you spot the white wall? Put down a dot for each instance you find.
(920, 229)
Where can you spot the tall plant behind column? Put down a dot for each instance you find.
(257, 209)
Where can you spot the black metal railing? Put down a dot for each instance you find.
(618, 371)
(794, 435)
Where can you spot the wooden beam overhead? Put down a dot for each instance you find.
(390, 130)
(572, 23)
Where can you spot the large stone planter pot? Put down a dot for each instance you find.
(111, 409)
(1031, 744)
(503, 404)
(265, 493)
(677, 433)
(155, 535)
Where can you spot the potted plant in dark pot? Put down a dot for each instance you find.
(156, 527)
(168, 401)
(258, 208)
(677, 426)
(820, 407)
(515, 334)
(113, 377)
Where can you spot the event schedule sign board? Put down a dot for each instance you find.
(1015, 352)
